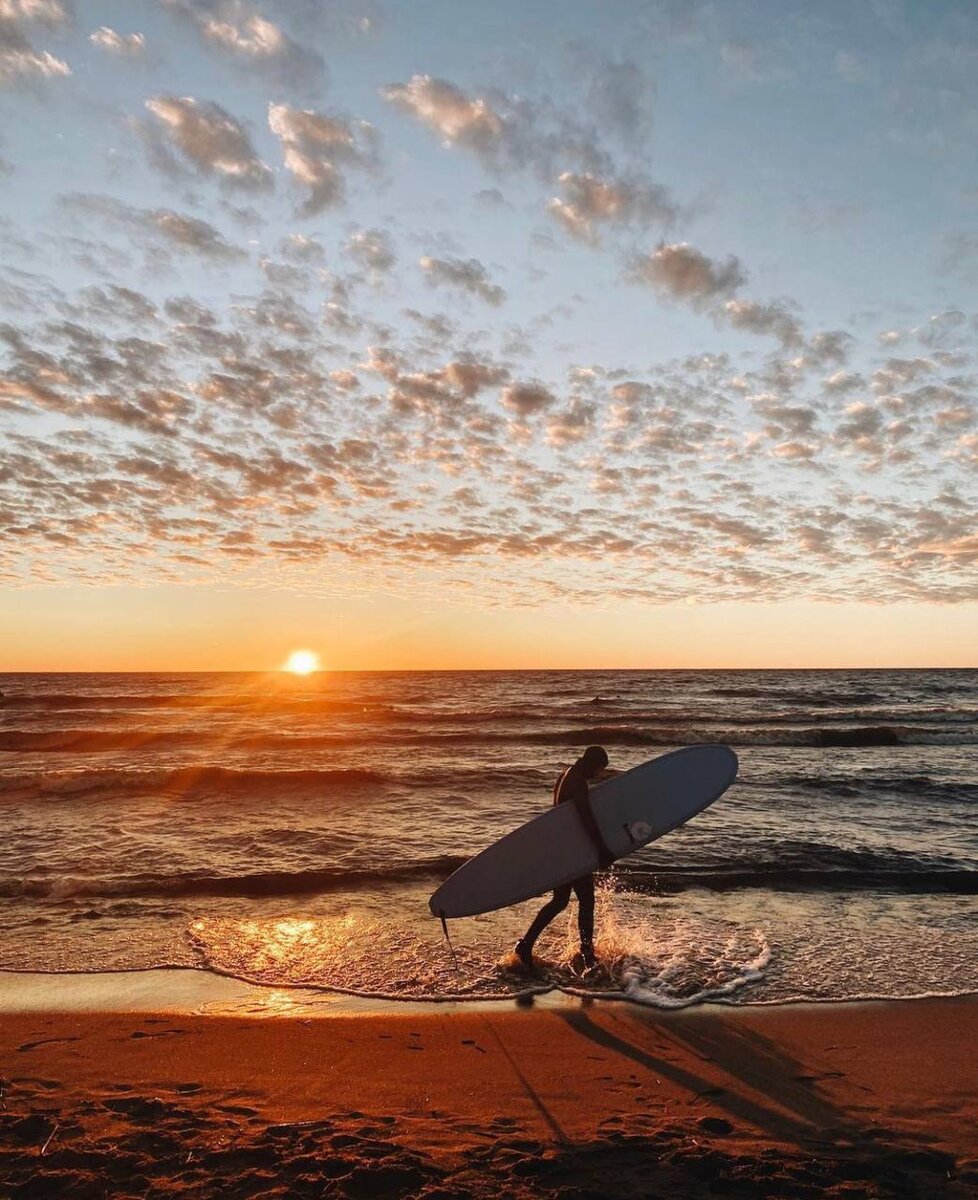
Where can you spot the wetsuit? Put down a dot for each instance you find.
(572, 787)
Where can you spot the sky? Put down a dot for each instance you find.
(517, 335)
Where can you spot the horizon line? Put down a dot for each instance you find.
(467, 670)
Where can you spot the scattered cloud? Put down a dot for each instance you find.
(123, 44)
(235, 29)
(527, 399)
(774, 318)
(19, 60)
(211, 140)
(318, 148)
(505, 131)
(298, 247)
(588, 202)
(459, 120)
(469, 275)
(179, 402)
(620, 94)
(372, 248)
(681, 272)
(177, 231)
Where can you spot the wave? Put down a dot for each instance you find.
(815, 736)
(665, 882)
(626, 734)
(186, 780)
(852, 786)
(257, 884)
(789, 866)
(802, 865)
(204, 779)
(801, 695)
(261, 702)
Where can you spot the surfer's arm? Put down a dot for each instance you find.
(583, 805)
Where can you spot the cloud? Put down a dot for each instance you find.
(235, 29)
(299, 248)
(19, 61)
(131, 44)
(861, 428)
(45, 12)
(829, 346)
(620, 95)
(841, 382)
(186, 234)
(211, 139)
(115, 303)
(962, 549)
(681, 272)
(792, 421)
(467, 274)
(372, 248)
(526, 399)
(589, 201)
(491, 198)
(192, 234)
(771, 318)
(942, 328)
(457, 118)
(317, 147)
(572, 424)
(504, 131)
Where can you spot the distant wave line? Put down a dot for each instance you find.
(102, 740)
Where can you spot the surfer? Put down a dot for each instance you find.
(572, 787)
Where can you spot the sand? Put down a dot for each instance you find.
(565, 1099)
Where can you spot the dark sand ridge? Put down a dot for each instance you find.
(565, 1099)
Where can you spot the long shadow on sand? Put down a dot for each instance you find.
(765, 1087)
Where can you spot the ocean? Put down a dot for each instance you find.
(289, 830)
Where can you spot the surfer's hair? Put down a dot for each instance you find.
(594, 758)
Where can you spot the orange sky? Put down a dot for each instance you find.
(172, 628)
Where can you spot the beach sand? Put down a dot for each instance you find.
(563, 1098)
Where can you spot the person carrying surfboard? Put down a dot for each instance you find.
(572, 787)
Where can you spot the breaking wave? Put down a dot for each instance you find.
(787, 866)
(259, 883)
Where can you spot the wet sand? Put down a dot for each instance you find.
(568, 1100)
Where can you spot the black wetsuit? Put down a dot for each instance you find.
(572, 787)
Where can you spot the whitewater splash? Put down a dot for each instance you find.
(664, 963)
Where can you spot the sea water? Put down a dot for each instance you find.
(290, 830)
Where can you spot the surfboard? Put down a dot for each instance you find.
(549, 850)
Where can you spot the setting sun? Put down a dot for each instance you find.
(302, 662)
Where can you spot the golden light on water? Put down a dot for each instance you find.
(302, 662)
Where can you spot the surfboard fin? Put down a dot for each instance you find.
(444, 929)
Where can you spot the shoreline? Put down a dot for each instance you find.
(199, 990)
(575, 1099)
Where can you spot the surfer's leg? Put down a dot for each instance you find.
(553, 907)
(584, 890)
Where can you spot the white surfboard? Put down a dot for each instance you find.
(631, 810)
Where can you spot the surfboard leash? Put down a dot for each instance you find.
(444, 929)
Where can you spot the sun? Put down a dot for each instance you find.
(302, 662)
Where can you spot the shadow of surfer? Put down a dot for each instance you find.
(572, 788)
